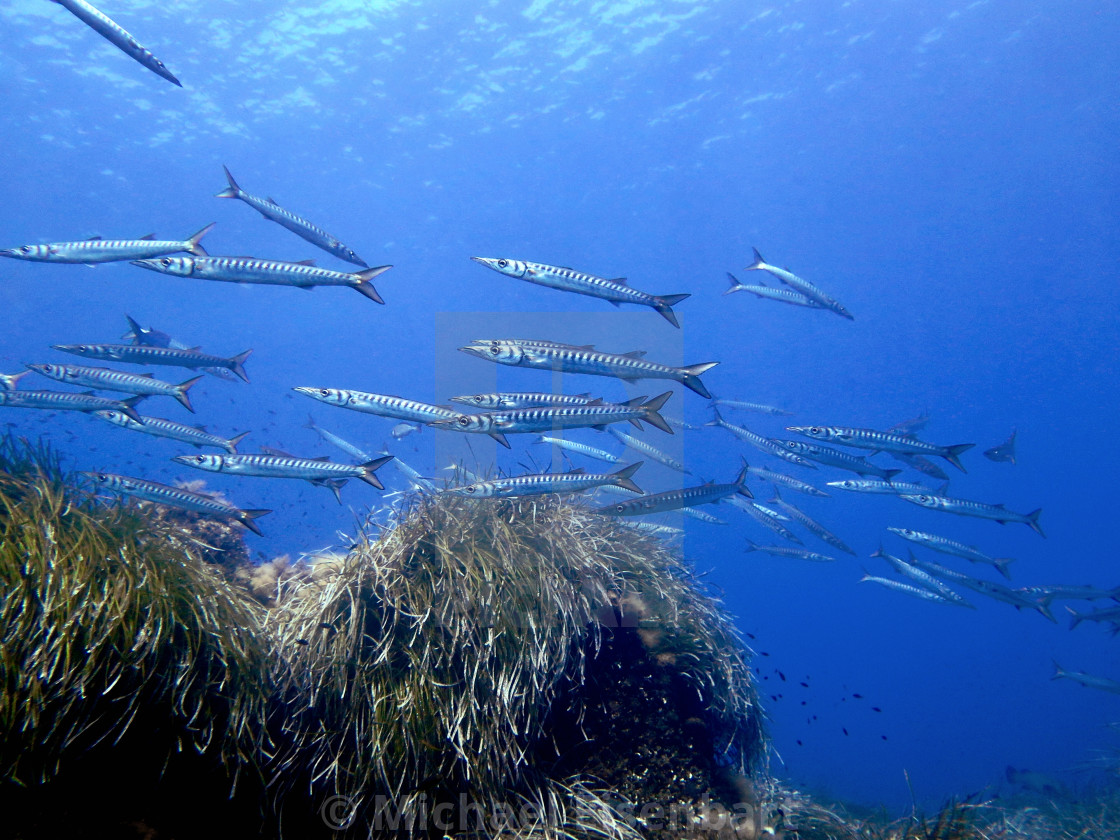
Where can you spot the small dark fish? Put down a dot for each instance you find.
(1004, 453)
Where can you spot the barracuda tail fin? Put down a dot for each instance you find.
(759, 263)
(181, 392)
(740, 482)
(370, 467)
(128, 408)
(231, 444)
(246, 518)
(736, 286)
(1001, 564)
(663, 304)
(235, 364)
(622, 478)
(890, 474)
(193, 245)
(1075, 617)
(652, 407)
(1032, 521)
(718, 419)
(690, 378)
(954, 451)
(232, 191)
(365, 284)
(751, 545)
(8, 382)
(137, 330)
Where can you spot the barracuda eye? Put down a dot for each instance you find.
(463, 421)
(26, 249)
(503, 263)
(495, 349)
(323, 392)
(620, 508)
(470, 489)
(814, 430)
(166, 262)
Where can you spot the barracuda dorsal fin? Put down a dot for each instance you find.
(620, 280)
(148, 238)
(272, 450)
(304, 262)
(576, 471)
(635, 354)
(95, 239)
(272, 201)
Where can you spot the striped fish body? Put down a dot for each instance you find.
(649, 451)
(66, 401)
(97, 250)
(999, 592)
(580, 449)
(799, 284)
(677, 499)
(786, 481)
(155, 338)
(115, 380)
(811, 525)
(304, 275)
(545, 483)
(883, 442)
(523, 399)
(163, 494)
(334, 440)
(523, 420)
(752, 406)
(921, 464)
(871, 485)
(923, 578)
(761, 443)
(763, 517)
(417, 481)
(964, 507)
(1087, 680)
(682, 425)
(615, 291)
(296, 224)
(285, 466)
(117, 36)
(771, 293)
(158, 427)
(383, 405)
(594, 362)
(908, 589)
(836, 458)
(142, 354)
(791, 553)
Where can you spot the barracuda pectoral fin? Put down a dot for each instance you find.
(500, 438)
(615, 304)
(332, 484)
(148, 238)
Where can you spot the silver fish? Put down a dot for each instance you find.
(836, 458)
(762, 515)
(163, 494)
(151, 337)
(383, 405)
(142, 354)
(575, 481)
(923, 578)
(921, 464)
(158, 427)
(787, 551)
(68, 401)
(1087, 680)
(296, 224)
(98, 250)
(630, 366)
(315, 470)
(1004, 453)
(771, 293)
(520, 399)
(614, 291)
(117, 36)
(709, 493)
(417, 481)
(650, 451)
(799, 284)
(786, 481)
(993, 590)
(760, 442)
(499, 423)
(302, 275)
(752, 406)
(1111, 614)
(106, 379)
(957, 549)
(330, 437)
(965, 507)
(810, 524)
(580, 448)
(883, 442)
(899, 586)
(1049, 593)
(874, 485)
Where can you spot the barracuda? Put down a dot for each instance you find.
(792, 553)
(836, 458)
(158, 427)
(759, 442)
(814, 527)
(521, 399)
(142, 354)
(499, 423)
(956, 549)
(873, 485)
(799, 284)
(315, 470)
(302, 275)
(762, 517)
(114, 380)
(163, 494)
(752, 406)
(296, 224)
(614, 291)
(576, 481)
(772, 293)
(66, 401)
(333, 439)
(98, 250)
(155, 338)
(997, 591)
(580, 449)
(965, 507)
(709, 493)
(630, 366)
(650, 451)
(883, 442)
(909, 589)
(1087, 680)
(383, 405)
(923, 578)
(417, 481)
(787, 481)
(117, 36)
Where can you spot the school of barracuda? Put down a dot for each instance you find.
(499, 414)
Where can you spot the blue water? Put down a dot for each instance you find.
(947, 170)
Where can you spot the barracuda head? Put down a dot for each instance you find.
(52, 371)
(511, 268)
(178, 266)
(331, 396)
(213, 463)
(478, 490)
(113, 416)
(477, 400)
(29, 252)
(502, 352)
(482, 423)
(818, 432)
